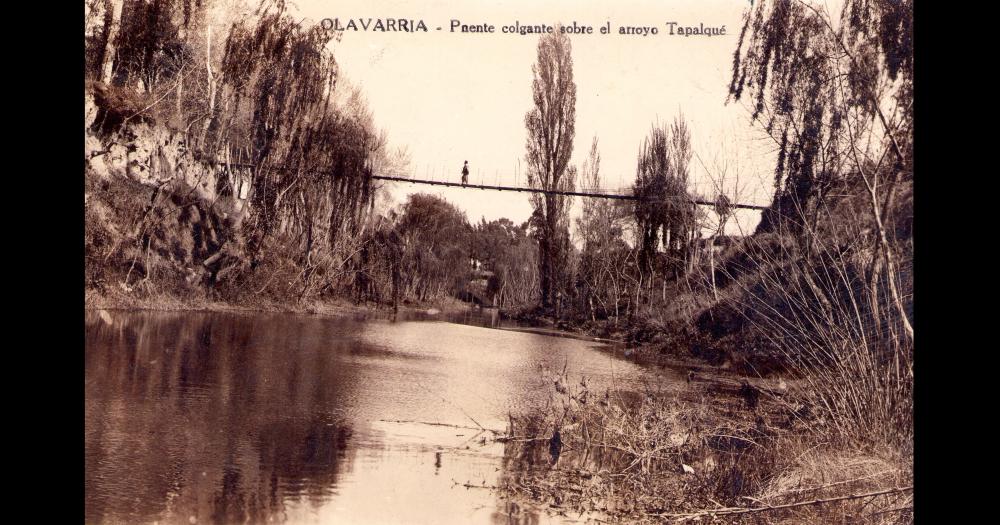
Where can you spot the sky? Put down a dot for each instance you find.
(447, 97)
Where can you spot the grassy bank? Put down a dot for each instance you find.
(717, 448)
(797, 404)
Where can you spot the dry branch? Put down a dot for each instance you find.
(731, 511)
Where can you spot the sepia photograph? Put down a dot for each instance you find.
(498, 262)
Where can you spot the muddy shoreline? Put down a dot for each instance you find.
(96, 301)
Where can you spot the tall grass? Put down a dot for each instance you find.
(824, 303)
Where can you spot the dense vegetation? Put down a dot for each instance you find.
(254, 167)
(821, 293)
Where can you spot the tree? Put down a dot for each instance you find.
(664, 211)
(278, 81)
(436, 245)
(506, 250)
(605, 252)
(836, 95)
(834, 90)
(258, 105)
(724, 172)
(550, 126)
(112, 23)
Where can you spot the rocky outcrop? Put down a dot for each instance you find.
(152, 206)
(153, 155)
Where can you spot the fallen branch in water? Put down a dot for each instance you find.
(460, 409)
(731, 511)
(471, 486)
(431, 423)
(519, 439)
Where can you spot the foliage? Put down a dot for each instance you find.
(694, 451)
(836, 92)
(836, 97)
(510, 254)
(258, 102)
(551, 129)
(606, 261)
(664, 210)
(436, 244)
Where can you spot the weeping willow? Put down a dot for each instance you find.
(312, 163)
(261, 96)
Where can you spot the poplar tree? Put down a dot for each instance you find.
(550, 126)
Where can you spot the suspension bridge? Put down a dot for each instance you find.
(595, 193)
(591, 193)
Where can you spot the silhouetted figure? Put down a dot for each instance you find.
(465, 173)
(555, 446)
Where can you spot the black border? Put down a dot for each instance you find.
(48, 227)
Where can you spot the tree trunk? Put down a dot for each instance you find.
(211, 83)
(545, 252)
(180, 92)
(711, 266)
(890, 266)
(114, 7)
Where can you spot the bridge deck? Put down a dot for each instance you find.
(597, 195)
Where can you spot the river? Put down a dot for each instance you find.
(281, 418)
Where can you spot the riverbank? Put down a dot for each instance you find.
(676, 343)
(733, 443)
(713, 449)
(324, 308)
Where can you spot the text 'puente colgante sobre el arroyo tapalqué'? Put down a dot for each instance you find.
(406, 25)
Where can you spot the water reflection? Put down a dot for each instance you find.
(230, 418)
(207, 418)
(473, 316)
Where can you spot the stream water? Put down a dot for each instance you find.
(279, 418)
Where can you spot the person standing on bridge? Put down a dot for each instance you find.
(465, 173)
